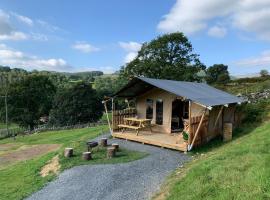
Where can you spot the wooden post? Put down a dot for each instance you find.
(227, 132)
(103, 142)
(112, 115)
(86, 155)
(68, 152)
(115, 146)
(197, 131)
(219, 114)
(189, 119)
(110, 152)
(106, 110)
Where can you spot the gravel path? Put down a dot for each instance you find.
(139, 179)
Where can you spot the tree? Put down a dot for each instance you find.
(264, 73)
(167, 57)
(78, 104)
(218, 73)
(30, 99)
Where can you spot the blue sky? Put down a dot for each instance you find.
(104, 35)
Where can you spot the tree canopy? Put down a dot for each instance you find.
(29, 99)
(218, 73)
(77, 104)
(264, 73)
(169, 56)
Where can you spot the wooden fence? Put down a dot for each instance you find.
(119, 115)
(201, 137)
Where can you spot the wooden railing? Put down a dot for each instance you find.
(119, 115)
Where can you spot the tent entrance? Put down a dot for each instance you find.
(179, 112)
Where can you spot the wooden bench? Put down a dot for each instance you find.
(123, 126)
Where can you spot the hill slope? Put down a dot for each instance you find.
(236, 170)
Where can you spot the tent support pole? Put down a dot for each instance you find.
(219, 114)
(106, 110)
(197, 131)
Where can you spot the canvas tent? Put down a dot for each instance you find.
(171, 104)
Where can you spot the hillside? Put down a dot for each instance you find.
(235, 170)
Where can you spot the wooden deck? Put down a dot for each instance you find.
(155, 138)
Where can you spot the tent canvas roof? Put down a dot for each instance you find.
(198, 92)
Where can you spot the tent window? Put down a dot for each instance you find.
(149, 108)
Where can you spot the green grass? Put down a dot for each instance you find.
(11, 126)
(20, 180)
(235, 170)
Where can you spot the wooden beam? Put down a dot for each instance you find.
(189, 119)
(219, 114)
(106, 110)
(197, 131)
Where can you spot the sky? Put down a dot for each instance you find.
(103, 35)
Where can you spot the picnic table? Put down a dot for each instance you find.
(136, 124)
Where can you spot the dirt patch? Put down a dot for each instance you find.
(6, 147)
(52, 167)
(26, 152)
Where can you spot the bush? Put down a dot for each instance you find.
(254, 112)
(78, 104)
(185, 135)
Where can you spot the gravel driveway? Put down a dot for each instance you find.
(139, 179)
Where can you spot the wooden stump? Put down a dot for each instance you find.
(227, 132)
(103, 142)
(110, 152)
(115, 146)
(68, 152)
(87, 155)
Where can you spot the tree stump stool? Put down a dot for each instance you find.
(103, 142)
(115, 146)
(87, 155)
(110, 152)
(68, 152)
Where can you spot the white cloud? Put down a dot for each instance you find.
(23, 19)
(262, 61)
(14, 35)
(132, 48)
(84, 47)
(191, 16)
(16, 58)
(217, 31)
(130, 56)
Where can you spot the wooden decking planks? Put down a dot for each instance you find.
(158, 139)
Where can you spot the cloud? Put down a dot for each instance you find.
(132, 48)
(14, 35)
(193, 16)
(84, 47)
(23, 19)
(15, 58)
(7, 32)
(217, 31)
(261, 61)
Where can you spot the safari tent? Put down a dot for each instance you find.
(164, 109)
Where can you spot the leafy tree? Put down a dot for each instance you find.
(167, 57)
(218, 73)
(264, 73)
(78, 104)
(29, 99)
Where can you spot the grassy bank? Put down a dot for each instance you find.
(20, 179)
(235, 170)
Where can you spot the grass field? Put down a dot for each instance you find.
(235, 170)
(3, 125)
(20, 179)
